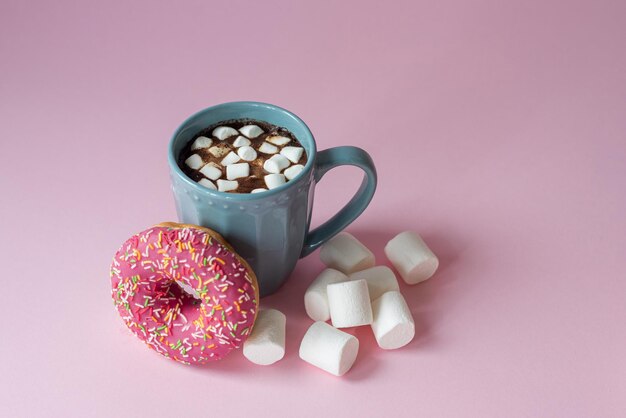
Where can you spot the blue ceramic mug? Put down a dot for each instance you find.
(270, 229)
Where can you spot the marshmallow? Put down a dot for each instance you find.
(411, 257)
(349, 304)
(201, 142)
(258, 190)
(293, 171)
(231, 158)
(236, 171)
(247, 153)
(227, 185)
(207, 183)
(292, 153)
(316, 298)
(274, 180)
(219, 150)
(241, 141)
(393, 324)
(194, 161)
(267, 148)
(346, 254)
(266, 343)
(379, 280)
(223, 132)
(278, 140)
(329, 349)
(251, 131)
(212, 171)
(276, 164)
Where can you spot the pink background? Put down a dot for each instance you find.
(499, 133)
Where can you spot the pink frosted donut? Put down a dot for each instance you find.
(171, 321)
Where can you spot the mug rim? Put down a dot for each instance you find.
(241, 196)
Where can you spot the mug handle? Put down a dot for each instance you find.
(326, 160)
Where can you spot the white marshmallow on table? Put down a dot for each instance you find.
(211, 171)
(393, 324)
(278, 140)
(194, 161)
(293, 171)
(201, 142)
(219, 151)
(329, 349)
(410, 255)
(237, 171)
(274, 180)
(241, 141)
(227, 185)
(247, 153)
(258, 190)
(346, 254)
(316, 298)
(380, 279)
(223, 132)
(231, 158)
(251, 131)
(276, 164)
(266, 343)
(349, 304)
(292, 153)
(267, 148)
(207, 183)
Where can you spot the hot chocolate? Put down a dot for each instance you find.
(243, 156)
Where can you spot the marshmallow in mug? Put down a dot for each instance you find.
(278, 140)
(194, 161)
(241, 141)
(276, 164)
(267, 148)
(293, 154)
(293, 171)
(223, 132)
(201, 142)
(211, 171)
(247, 153)
(236, 171)
(219, 150)
(231, 158)
(227, 185)
(208, 184)
(251, 131)
(274, 180)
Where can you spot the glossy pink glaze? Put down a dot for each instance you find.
(169, 320)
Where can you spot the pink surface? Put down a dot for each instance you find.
(509, 119)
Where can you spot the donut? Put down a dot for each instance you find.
(205, 323)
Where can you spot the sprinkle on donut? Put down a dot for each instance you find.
(174, 323)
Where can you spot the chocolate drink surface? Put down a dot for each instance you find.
(242, 156)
